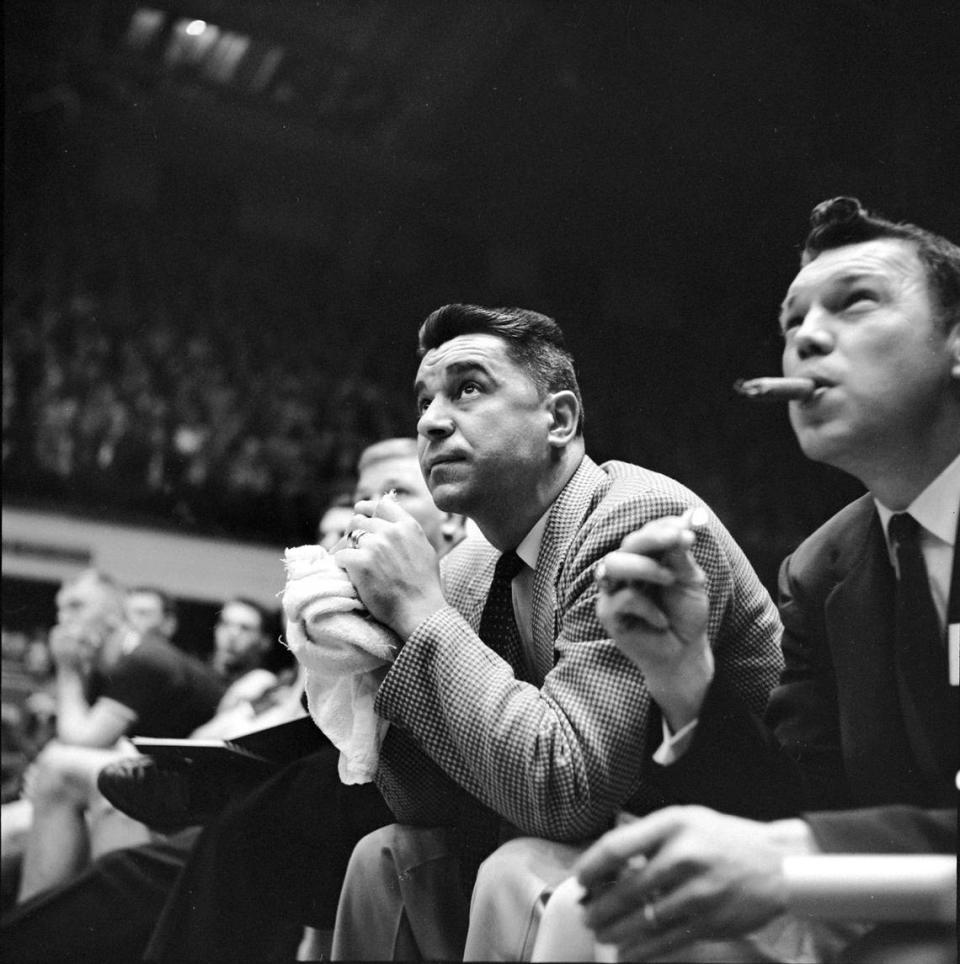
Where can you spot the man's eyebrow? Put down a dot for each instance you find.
(847, 278)
(456, 368)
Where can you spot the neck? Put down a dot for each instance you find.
(898, 479)
(505, 527)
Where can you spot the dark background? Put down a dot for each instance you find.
(212, 288)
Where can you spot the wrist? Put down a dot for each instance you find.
(787, 838)
(681, 690)
(406, 622)
(792, 837)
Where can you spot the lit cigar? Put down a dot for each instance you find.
(776, 389)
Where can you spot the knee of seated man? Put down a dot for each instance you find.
(372, 847)
(528, 868)
(508, 862)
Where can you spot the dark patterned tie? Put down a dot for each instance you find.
(921, 659)
(918, 628)
(478, 827)
(498, 626)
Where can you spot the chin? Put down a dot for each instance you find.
(819, 445)
(447, 498)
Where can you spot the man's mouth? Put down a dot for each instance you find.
(442, 460)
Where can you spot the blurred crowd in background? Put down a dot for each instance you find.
(173, 388)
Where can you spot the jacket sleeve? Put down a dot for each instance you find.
(891, 829)
(558, 760)
(779, 764)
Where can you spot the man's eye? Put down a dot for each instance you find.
(859, 296)
(468, 389)
(789, 323)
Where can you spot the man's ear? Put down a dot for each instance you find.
(564, 411)
(953, 344)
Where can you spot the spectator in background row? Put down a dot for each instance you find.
(108, 910)
(150, 610)
(335, 522)
(112, 680)
(95, 393)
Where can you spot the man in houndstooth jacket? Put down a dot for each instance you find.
(558, 752)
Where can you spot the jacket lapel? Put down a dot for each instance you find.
(859, 624)
(890, 721)
(566, 517)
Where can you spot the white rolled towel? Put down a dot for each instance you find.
(345, 654)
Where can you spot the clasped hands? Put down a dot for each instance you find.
(652, 601)
(392, 565)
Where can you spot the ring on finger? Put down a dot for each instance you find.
(355, 536)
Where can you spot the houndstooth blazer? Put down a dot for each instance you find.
(558, 757)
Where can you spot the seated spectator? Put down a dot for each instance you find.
(109, 909)
(150, 610)
(860, 753)
(489, 729)
(240, 645)
(335, 522)
(150, 688)
(109, 678)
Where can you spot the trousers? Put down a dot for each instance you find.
(106, 913)
(271, 862)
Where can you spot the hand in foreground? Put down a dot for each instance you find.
(653, 602)
(392, 565)
(684, 874)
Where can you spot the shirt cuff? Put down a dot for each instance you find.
(674, 745)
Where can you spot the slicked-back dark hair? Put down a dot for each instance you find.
(843, 220)
(535, 342)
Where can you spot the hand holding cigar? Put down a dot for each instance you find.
(610, 573)
(654, 605)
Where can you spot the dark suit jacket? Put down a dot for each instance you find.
(865, 753)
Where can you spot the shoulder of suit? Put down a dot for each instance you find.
(844, 534)
(653, 493)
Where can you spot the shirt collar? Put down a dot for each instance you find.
(529, 547)
(935, 508)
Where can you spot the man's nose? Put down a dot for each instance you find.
(813, 336)
(435, 421)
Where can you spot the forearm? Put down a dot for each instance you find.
(680, 690)
(73, 710)
(733, 763)
(889, 829)
(540, 757)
